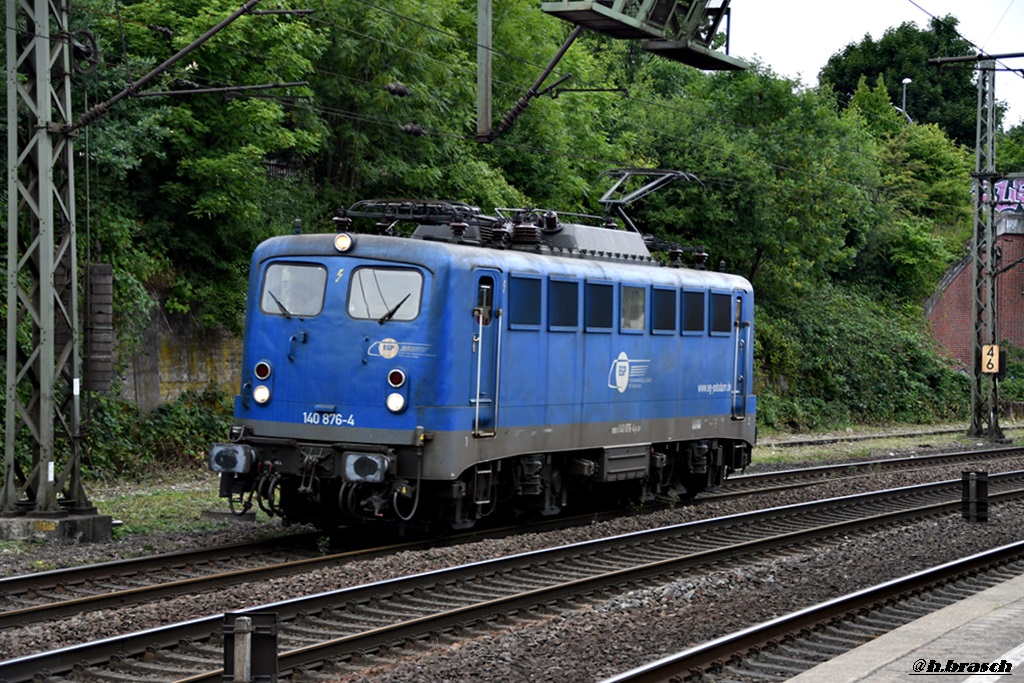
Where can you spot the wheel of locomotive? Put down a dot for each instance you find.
(699, 482)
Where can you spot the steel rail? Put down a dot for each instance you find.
(19, 670)
(49, 580)
(721, 649)
(57, 580)
(851, 438)
(742, 485)
(42, 584)
(929, 460)
(195, 584)
(407, 631)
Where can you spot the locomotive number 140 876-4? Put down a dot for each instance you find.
(328, 419)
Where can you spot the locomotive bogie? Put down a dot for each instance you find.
(422, 379)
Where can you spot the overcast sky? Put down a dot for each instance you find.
(795, 38)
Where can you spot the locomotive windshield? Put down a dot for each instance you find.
(293, 289)
(384, 294)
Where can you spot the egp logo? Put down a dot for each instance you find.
(385, 348)
(390, 348)
(624, 370)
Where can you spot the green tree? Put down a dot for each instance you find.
(1010, 150)
(924, 201)
(948, 97)
(842, 216)
(850, 358)
(429, 50)
(785, 184)
(192, 171)
(373, 52)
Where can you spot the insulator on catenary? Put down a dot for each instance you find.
(398, 89)
(414, 129)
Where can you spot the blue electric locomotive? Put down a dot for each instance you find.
(483, 363)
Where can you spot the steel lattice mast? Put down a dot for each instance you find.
(41, 427)
(984, 387)
(42, 417)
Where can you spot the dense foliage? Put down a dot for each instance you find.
(120, 438)
(841, 212)
(851, 359)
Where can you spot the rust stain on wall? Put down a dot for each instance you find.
(177, 356)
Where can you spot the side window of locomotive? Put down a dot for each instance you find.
(293, 289)
(598, 301)
(524, 302)
(663, 311)
(563, 305)
(721, 313)
(633, 309)
(692, 313)
(384, 294)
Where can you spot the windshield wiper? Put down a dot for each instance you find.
(391, 314)
(284, 311)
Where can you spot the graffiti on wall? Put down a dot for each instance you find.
(1010, 195)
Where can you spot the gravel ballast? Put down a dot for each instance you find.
(600, 638)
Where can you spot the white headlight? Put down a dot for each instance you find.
(261, 394)
(343, 242)
(396, 402)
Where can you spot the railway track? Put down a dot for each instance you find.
(764, 482)
(338, 630)
(794, 643)
(66, 592)
(59, 593)
(62, 593)
(825, 440)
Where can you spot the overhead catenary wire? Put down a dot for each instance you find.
(980, 49)
(100, 109)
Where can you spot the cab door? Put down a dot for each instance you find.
(486, 350)
(741, 363)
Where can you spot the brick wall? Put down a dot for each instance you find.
(949, 311)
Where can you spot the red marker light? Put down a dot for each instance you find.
(396, 378)
(262, 370)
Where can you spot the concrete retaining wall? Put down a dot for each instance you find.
(176, 356)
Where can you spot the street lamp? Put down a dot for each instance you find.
(905, 82)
